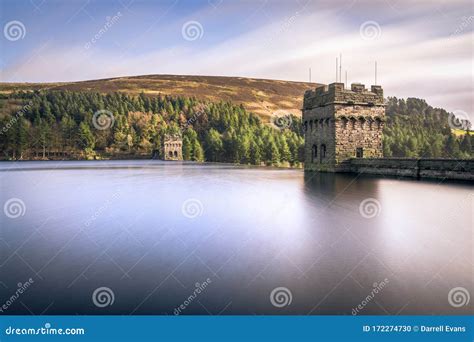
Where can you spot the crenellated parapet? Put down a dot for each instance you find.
(335, 93)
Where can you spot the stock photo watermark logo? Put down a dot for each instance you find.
(281, 297)
(370, 30)
(281, 119)
(21, 288)
(287, 23)
(14, 30)
(458, 297)
(458, 119)
(214, 3)
(102, 209)
(377, 287)
(110, 21)
(14, 208)
(192, 30)
(192, 208)
(103, 119)
(199, 288)
(466, 21)
(47, 329)
(370, 208)
(13, 120)
(191, 121)
(103, 297)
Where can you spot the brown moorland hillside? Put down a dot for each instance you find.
(261, 96)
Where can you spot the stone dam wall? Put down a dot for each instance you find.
(458, 169)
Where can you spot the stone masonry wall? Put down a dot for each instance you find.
(358, 126)
(336, 93)
(172, 148)
(320, 131)
(342, 120)
(458, 169)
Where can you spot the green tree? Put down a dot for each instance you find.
(255, 153)
(466, 146)
(187, 148)
(285, 152)
(452, 147)
(198, 152)
(44, 134)
(21, 137)
(214, 145)
(274, 154)
(68, 128)
(86, 137)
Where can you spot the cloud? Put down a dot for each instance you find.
(412, 60)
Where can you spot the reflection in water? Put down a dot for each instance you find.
(127, 226)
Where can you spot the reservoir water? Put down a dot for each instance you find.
(183, 238)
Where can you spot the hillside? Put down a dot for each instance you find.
(262, 97)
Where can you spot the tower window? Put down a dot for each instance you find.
(359, 152)
(315, 153)
(322, 155)
(344, 123)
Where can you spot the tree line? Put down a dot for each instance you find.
(64, 124)
(92, 125)
(415, 129)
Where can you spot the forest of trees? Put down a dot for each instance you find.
(414, 129)
(62, 124)
(62, 121)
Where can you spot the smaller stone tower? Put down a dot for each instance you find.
(341, 124)
(172, 147)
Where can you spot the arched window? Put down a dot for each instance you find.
(170, 154)
(344, 123)
(322, 154)
(311, 126)
(353, 123)
(379, 123)
(314, 155)
(176, 154)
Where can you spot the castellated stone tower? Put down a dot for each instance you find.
(172, 147)
(341, 124)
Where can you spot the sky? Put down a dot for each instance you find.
(423, 48)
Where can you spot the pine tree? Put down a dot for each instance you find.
(86, 137)
(255, 153)
(214, 145)
(198, 152)
(21, 137)
(274, 154)
(452, 147)
(466, 146)
(284, 150)
(187, 148)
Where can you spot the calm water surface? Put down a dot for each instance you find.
(150, 231)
